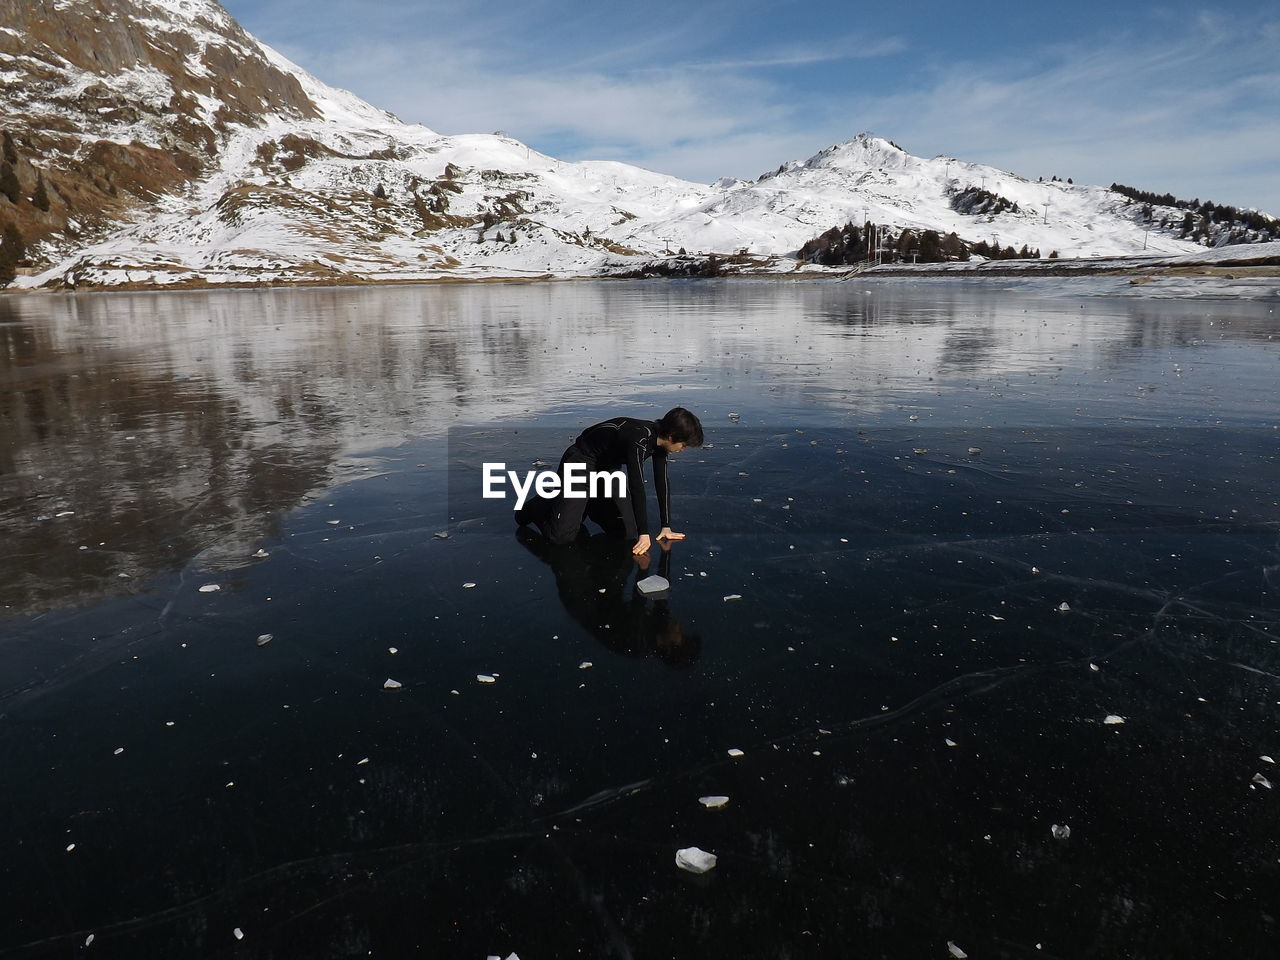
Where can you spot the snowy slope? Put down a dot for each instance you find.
(317, 185)
(869, 178)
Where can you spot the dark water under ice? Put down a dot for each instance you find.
(916, 709)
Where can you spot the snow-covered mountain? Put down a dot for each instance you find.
(175, 148)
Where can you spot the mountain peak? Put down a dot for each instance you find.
(175, 148)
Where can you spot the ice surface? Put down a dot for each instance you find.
(695, 860)
(929, 556)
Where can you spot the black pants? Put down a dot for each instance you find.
(560, 518)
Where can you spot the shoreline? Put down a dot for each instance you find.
(1141, 271)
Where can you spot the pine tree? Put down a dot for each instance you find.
(12, 250)
(953, 248)
(906, 240)
(40, 199)
(9, 182)
(930, 247)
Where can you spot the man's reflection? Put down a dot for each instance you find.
(595, 579)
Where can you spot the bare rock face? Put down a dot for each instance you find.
(117, 103)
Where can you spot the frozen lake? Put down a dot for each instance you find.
(1008, 560)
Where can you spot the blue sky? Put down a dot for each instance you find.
(1163, 96)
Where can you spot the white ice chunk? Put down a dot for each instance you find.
(210, 588)
(1113, 719)
(955, 951)
(239, 934)
(1265, 759)
(441, 535)
(467, 586)
(390, 684)
(974, 451)
(1064, 607)
(1258, 778)
(711, 803)
(695, 860)
(261, 554)
(735, 752)
(485, 678)
(733, 596)
(89, 939)
(654, 584)
(264, 639)
(1060, 831)
(585, 665)
(117, 751)
(949, 742)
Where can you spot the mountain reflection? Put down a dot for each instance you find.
(140, 430)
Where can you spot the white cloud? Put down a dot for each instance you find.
(1188, 107)
(1195, 117)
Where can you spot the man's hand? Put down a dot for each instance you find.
(642, 544)
(666, 534)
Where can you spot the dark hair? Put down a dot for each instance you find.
(681, 426)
